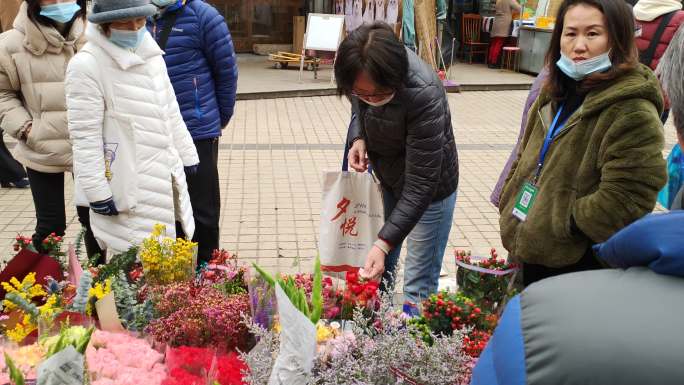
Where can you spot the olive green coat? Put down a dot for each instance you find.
(602, 172)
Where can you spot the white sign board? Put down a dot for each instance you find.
(324, 32)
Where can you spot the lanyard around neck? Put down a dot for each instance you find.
(553, 130)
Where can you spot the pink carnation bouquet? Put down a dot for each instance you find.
(121, 359)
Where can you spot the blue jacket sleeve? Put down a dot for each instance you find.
(218, 48)
(654, 241)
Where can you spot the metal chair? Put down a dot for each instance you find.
(511, 60)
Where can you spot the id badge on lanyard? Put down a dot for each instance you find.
(529, 191)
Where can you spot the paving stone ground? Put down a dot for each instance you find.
(271, 158)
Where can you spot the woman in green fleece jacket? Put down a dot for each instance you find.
(591, 160)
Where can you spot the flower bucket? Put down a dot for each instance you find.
(488, 281)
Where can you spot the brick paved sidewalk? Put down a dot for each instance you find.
(271, 157)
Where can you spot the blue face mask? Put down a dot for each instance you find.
(584, 68)
(60, 12)
(127, 39)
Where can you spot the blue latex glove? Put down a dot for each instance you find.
(105, 207)
(192, 170)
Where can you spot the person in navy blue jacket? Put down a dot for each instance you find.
(202, 65)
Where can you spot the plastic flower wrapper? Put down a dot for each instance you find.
(65, 361)
(297, 344)
(298, 331)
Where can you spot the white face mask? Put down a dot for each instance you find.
(380, 103)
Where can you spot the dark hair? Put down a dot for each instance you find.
(623, 55)
(33, 11)
(376, 50)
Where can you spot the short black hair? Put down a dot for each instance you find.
(375, 49)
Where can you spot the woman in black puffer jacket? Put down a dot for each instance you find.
(403, 127)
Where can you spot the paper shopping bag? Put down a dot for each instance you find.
(351, 217)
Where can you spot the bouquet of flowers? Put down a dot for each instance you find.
(52, 246)
(22, 313)
(358, 293)
(120, 359)
(166, 260)
(199, 366)
(224, 273)
(199, 315)
(488, 282)
(262, 302)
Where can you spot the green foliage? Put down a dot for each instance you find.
(124, 294)
(81, 300)
(234, 286)
(15, 374)
(78, 243)
(76, 336)
(120, 262)
(297, 295)
(317, 292)
(420, 329)
(26, 306)
(139, 316)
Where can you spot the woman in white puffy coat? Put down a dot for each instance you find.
(131, 147)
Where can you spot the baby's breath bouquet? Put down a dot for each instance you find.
(166, 260)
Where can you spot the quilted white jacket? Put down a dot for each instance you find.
(129, 140)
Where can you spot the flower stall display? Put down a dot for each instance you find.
(221, 324)
(489, 281)
(166, 260)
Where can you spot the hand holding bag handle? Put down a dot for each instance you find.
(345, 157)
